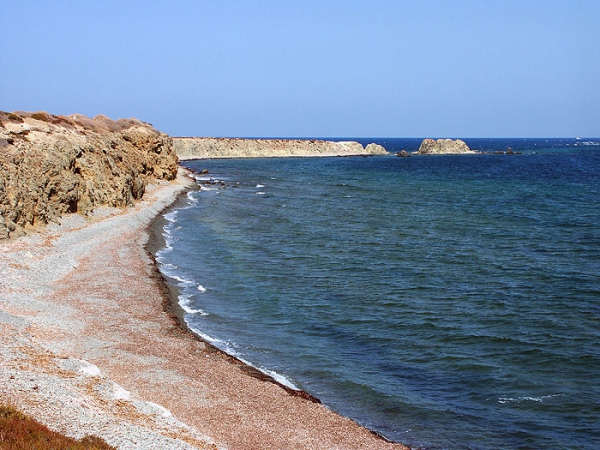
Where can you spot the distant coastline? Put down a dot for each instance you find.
(207, 147)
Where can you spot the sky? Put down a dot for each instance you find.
(328, 68)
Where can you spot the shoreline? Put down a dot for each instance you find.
(88, 347)
(172, 307)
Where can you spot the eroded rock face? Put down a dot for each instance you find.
(442, 146)
(188, 148)
(52, 165)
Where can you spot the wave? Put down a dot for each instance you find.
(186, 301)
(172, 271)
(280, 378)
(230, 349)
(225, 346)
(171, 216)
(167, 234)
(528, 399)
(192, 199)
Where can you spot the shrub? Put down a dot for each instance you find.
(43, 116)
(15, 117)
(20, 432)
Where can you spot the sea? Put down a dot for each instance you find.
(444, 302)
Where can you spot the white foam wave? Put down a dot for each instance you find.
(280, 378)
(161, 253)
(169, 270)
(260, 186)
(220, 344)
(192, 199)
(229, 348)
(171, 216)
(185, 301)
(167, 232)
(183, 282)
(525, 399)
(168, 245)
(260, 193)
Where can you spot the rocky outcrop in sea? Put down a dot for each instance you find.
(443, 146)
(52, 165)
(196, 148)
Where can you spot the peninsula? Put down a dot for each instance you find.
(197, 148)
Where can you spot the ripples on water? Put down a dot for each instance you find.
(446, 302)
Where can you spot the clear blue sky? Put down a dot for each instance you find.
(422, 68)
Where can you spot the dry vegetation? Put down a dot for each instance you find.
(19, 432)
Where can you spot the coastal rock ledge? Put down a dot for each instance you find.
(52, 165)
(443, 146)
(205, 147)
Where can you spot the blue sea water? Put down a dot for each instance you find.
(446, 302)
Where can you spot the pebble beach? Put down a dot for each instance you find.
(91, 345)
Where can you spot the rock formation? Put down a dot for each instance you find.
(443, 146)
(375, 149)
(190, 148)
(52, 165)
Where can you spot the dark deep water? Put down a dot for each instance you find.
(447, 302)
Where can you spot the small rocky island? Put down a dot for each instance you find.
(443, 146)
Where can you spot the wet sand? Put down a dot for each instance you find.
(92, 343)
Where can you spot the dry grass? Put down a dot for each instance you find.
(19, 432)
(42, 115)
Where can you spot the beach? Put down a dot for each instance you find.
(91, 344)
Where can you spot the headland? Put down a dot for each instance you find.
(198, 148)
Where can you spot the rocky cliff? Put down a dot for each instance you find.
(190, 148)
(52, 165)
(442, 146)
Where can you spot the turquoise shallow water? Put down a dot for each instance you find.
(445, 302)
